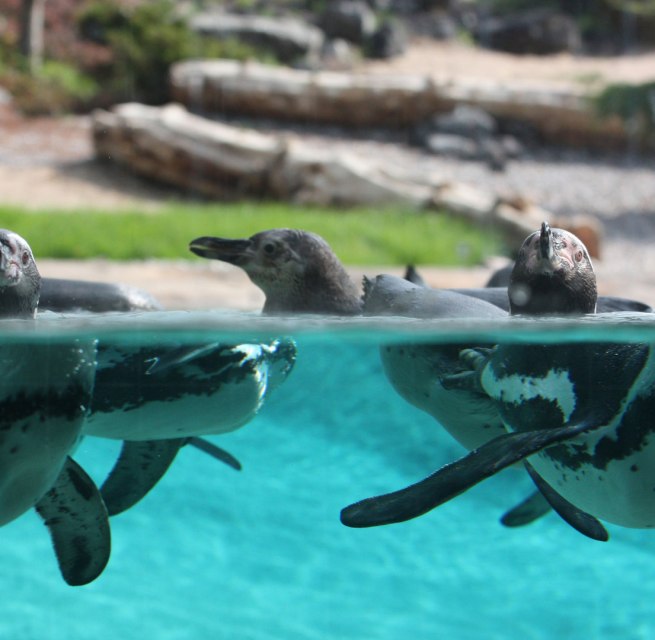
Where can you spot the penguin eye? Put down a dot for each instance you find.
(25, 258)
(578, 256)
(269, 248)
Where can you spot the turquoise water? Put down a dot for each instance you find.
(261, 554)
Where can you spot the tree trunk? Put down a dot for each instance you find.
(32, 19)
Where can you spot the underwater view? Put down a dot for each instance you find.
(261, 553)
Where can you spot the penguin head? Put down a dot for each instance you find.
(553, 275)
(297, 270)
(20, 281)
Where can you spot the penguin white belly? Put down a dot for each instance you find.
(621, 494)
(415, 371)
(204, 393)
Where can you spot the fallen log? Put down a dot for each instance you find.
(359, 99)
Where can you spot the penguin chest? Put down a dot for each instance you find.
(44, 397)
(610, 470)
(416, 371)
(152, 394)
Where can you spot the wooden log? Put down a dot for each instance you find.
(357, 99)
(171, 145)
(227, 86)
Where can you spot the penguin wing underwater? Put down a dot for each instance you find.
(45, 391)
(555, 266)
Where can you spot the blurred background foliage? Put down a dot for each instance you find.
(101, 52)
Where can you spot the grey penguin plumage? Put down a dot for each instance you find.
(65, 295)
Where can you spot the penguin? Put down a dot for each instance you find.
(203, 389)
(581, 412)
(45, 391)
(159, 398)
(297, 271)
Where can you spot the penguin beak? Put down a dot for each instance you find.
(546, 250)
(9, 269)
(548, 258)
(224, 249)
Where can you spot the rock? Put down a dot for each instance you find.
(288, 38)
(539, 32)
(347, 19)
(310, 175)
(438, 25)
(337, 55)
(453, 145)
(465, 120)
(388, 41)
(467, 133)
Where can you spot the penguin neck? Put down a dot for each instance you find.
(328, 292)
(546, 295)
(15, 304)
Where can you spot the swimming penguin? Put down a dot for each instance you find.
(497, 294)
(584, 408)
(158, 399)
(45, 391)
(297, 270)
(65, 295)
(292, 267)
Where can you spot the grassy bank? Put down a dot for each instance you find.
(359, 236)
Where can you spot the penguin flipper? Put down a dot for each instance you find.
(140, 466)
(474, 360)
(178, 356)
(455, 478)
(532, 508)
(413, 276)
(78, 523)
(581, 521)
(214, 451)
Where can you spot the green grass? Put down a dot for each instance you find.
(359, 236)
